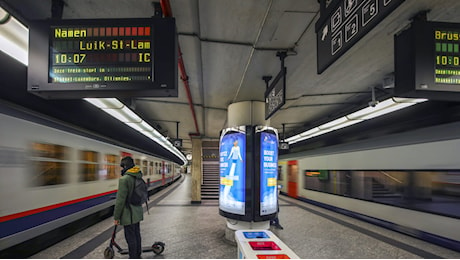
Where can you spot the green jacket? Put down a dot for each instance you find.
(125, 188)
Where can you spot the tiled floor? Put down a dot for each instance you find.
(198, 231)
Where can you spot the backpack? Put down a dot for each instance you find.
(140, 193)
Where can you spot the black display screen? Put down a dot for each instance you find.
(103, 58)
(101, 53)
(427, 61)
(447, 55)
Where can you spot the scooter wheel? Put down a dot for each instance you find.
(109, 253)
(158, 247)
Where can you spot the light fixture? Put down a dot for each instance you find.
(115, 108)
(14, 37)
(379, 109)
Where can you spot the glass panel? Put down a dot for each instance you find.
(111, 167)
(88, 166)
(49, 162)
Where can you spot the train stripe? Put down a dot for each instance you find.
(50, 207)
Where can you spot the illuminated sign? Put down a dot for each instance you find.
(232, 153)
(103, 58)
(447, 68)
(268, 173)
(427, 61)
(101, 54)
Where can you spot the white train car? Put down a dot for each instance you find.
(52, 177)
(408, 181)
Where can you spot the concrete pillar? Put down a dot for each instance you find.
(196, 169)
(247, 113)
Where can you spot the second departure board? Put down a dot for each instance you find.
(427, 61)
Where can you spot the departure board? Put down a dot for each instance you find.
(71, 59)
(100, 54)
(447, 63)
(427, 61)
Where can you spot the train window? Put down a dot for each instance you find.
(417, 190)
(151, 168)
(144, 167)
(137, 162)
(111, 167)
(89, 166)
(49, 162)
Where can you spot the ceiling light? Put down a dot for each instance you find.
(14, 38)
(382, 108)
(115, 108)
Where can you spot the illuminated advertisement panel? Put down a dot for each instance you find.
(232, 153)
(268, 173)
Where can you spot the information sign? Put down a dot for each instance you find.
(427, 61)
(343, 23)
(275, 96)
(103, 58)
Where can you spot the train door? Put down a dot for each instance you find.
(293, 173)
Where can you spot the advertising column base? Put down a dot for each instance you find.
(234, 225)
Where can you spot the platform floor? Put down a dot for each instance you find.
(198, 231)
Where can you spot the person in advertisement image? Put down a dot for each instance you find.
(269, 173)
(232, 173)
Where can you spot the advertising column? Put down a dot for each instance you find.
(268, 173)
(232, 152)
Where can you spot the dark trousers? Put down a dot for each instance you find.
(133, 238)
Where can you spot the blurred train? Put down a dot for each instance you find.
(57, 181)
(408, 182)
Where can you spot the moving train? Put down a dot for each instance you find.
(57, 181)
(408, 182)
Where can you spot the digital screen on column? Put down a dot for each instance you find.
(268, 173)
(232, 153)
(447, 55)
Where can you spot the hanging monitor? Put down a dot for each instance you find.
(427, 61)
(103, 58)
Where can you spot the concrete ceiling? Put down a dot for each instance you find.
(228, 46)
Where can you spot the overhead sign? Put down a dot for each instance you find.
(427, 61)
(343, 23)
(103, 58)
(275, 95)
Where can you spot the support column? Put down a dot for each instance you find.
(197, 171)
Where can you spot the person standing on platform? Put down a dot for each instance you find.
(276, 221)
(126, 214)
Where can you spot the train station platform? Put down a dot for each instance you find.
(197, 231)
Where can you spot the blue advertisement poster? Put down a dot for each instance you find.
(232, 154)
(268, 173)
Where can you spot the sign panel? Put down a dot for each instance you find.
(103, 58)
(101, 54)
(427, 61)
(232, 153)
(268, 173)
(275, 95)
(446, 47)
(343, 23)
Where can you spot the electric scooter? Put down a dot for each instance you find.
(109, 253)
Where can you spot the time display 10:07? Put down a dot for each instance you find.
(447, 60)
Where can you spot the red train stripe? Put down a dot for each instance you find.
(50, 207)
